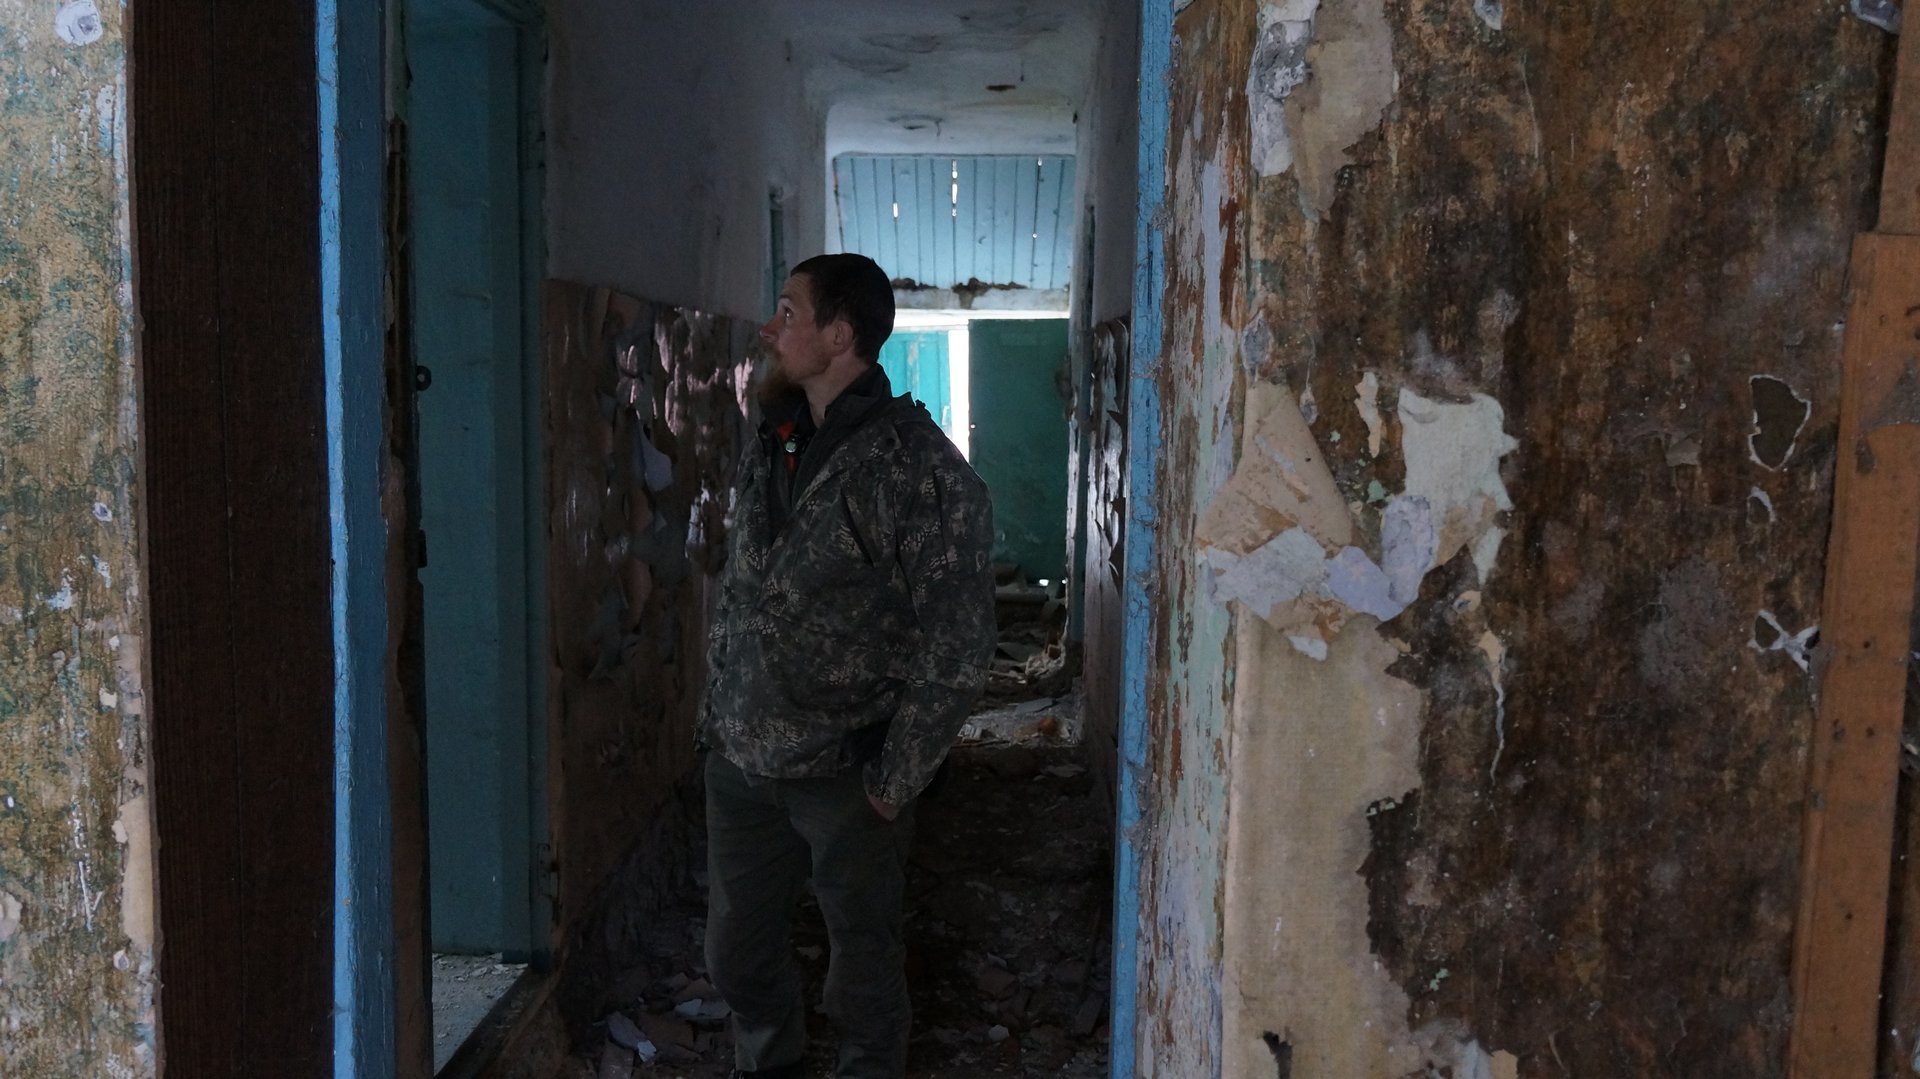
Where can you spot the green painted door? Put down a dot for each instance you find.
(476, 499)
(917, 362)
(1016, 370)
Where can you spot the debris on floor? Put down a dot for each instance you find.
(465, 989)
(1007, 939)
(1034, 659)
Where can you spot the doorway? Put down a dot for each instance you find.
(474, 247)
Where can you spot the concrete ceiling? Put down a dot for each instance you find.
(944, 76)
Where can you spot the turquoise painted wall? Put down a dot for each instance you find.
(918, 362)
(1019, 417)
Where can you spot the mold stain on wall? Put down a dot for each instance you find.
(646, 418)
(1537, 313)
(77, 948)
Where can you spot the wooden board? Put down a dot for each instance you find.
(234, 489)
(1868, 604)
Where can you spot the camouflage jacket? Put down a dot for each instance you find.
(860, 634)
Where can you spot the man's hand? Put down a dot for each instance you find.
(887, 810)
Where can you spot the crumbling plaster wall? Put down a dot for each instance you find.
(77, 949)
(645, 418)
(1107, 137)
(667, 125)
(1106, 152)
(1498, 404)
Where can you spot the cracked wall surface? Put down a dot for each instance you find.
(77, 947)
(646, 415)
(1499, 396)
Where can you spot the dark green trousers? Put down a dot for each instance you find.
(764, 837)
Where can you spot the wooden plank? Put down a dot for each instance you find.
(886, 247)
(844, 205)
(966, 249)
(1046, 227)
(1868, 603)
(1064, 213)
(235, 495)
(1026, 220)
(939, 217)
(1006, 183)
(906, 201)
(1900, 175)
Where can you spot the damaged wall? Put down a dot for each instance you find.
(1107, 151)
(77, 976)
(667, 127)
(645, 418)
(1107, 131)
(1498, 389)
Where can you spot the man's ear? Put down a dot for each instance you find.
(839, 335)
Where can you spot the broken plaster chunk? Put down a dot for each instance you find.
(1883, 14)
(1279, 67)
(1310, 645)
(9, 916)
(1271, 576)
(1281, 482)
(1356, 581)
(1408, 544)
(1453, 454)
(1367, 400)
(1350, 83)
(1798, 647)
(1490, 13)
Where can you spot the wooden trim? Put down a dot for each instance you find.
(1868, 615)
(1900, 175)
(234, 485)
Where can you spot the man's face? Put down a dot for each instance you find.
(800, 348)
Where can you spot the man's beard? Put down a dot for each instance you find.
(774, 386)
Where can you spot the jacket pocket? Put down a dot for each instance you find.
(862, 530)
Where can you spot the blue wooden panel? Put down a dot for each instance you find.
(974, 224)
(843, 201)
(1063, 218)
(1046, 218)
(942, 220)
(907, 199)
(1006, 220)
(932, 218)
(1026, 219)
(877, 173)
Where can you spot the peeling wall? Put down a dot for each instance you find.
(1498, 406)
(667, 126)
(1106, 155)
(77, 948)
(645, 418)
(1105, 435)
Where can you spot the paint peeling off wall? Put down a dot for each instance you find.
(1498, 413)
(646, 415)
(77, 949)
(1106, 519)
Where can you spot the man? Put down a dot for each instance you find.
(852, 636)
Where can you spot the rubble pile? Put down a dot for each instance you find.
(1007, 940)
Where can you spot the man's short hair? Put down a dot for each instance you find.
(855, 288)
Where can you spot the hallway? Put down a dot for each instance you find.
(1469, 452)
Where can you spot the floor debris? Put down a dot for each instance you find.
(1007, 936)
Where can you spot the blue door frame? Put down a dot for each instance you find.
(352, 117)
(1143, 455)
(349, 42)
